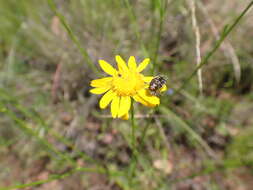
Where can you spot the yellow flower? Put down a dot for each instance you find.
(122, 85)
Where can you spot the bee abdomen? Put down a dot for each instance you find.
(156, 84)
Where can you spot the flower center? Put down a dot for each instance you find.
(128, 84)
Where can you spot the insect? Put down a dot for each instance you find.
(156, 84)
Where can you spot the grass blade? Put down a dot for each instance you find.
(180, 122)
(71, 34)
(218, 43)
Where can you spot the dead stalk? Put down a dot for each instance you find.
(197, 43)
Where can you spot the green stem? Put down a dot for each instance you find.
(72, 36)
(133, 146)
(162, 11)
(53, 178)
(144, 135)
(133, 127)
(133, 19)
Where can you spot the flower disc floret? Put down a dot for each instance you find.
(128, 84)
(123, 85)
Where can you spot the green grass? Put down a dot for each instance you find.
(48, 54)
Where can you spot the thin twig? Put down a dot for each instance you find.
(197, 43)
(138, 116)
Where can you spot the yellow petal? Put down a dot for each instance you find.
(121, 65)
(143, 65)
(103, 82)
(137, 98)
(132, 63)
(125, 104)
(144, 94)
(99, 90)
(164, 88)
(147, 79)
(115, 106)
(125, 117)
(106, 99)
(107, 68)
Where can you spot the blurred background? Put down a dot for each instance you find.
(53, 134)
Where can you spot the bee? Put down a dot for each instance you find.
(156, 84)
